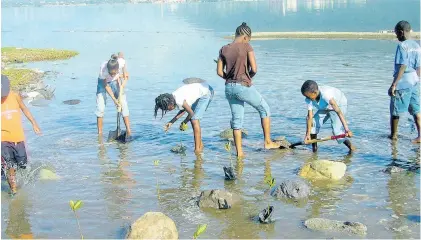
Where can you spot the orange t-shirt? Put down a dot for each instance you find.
(11, 120)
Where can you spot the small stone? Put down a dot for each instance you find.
(393, 169)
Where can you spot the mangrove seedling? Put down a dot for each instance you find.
(228, 171)
(75, 206)
(201, 228)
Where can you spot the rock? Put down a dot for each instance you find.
(72, 102)
(265, 216)
(322, 224)
(291, 189)
(153, 225)
(229, 173)
(47, 174)
(218, 199)
(228, 133)
(284, 143)
(323, 170)
(393, 169)
(193, 80)
(179, 149)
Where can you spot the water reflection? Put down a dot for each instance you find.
(403, 200)
(293, 6)
(117, 179)
(18, 225)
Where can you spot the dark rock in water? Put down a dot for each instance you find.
(284, 143)
(218, 199)
(193, 80)
(265, 216)
(296, 189)
(346, 64)
(322, 224)
(228, 133)
(229, 173)
(181, 149)
(72, 102)
(393, 169)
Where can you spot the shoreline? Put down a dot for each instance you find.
(326, 35)
(22, 78)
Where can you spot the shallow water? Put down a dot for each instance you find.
(164, 44)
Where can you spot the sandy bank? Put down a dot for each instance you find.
(325, 35)
(20, 78)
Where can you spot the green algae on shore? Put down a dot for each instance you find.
(21, 77)
(21, 55)
(326, 35)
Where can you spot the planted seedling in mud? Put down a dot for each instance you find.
(180, 148)
(200, 229)
(75, 206)
(228, 171)
(266, 214)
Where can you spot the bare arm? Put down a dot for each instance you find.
(179, 115)
(28, 115)
(309, 123)
(110, 92)
(341, 116)
(189, 111)
(220, 69)
(125, 76)
(252, 62)
(402, 69)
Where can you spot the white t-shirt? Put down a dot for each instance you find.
(190, 93)
(103, 73)
(121, 64)
(326, 94)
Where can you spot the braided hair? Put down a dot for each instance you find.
(243, 29)
(162, 102)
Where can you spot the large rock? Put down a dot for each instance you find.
(47, 174)
(322, 224)
(218, 199)
(153, 225)
(228, 133)
(323, 170)
(291, 189)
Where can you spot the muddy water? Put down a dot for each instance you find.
(164, 44)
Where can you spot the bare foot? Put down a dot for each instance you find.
(393, 138)
(241, 155)
(272, 145)
(416, 140)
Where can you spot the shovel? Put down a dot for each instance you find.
(318, 140)
(116, 135)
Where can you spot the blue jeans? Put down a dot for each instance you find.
(237, 95)
(101, 98)
(322, 116)
(201, 105)
(406, 100)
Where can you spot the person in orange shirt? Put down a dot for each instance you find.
(13, 152)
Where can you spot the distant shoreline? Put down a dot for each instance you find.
(326, 35)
